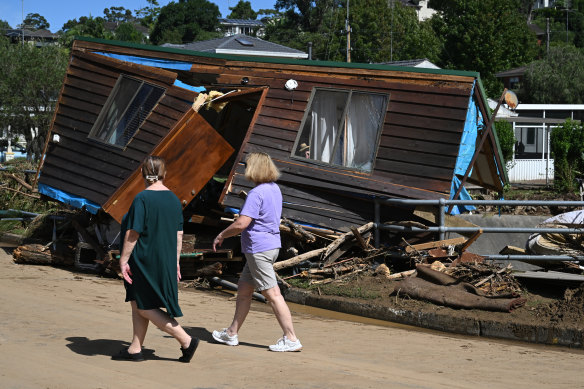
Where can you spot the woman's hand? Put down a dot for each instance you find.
(178, 276)
(218, 242)
(126, 272)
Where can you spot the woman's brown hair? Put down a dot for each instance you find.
(260, 168)
(153, 169)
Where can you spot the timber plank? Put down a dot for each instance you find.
(88, 86)
(79, 104)
(51, 170)
(435, 172)
(103, 164)
(83, 172)
(275, 133)
(73, 188)
(415, 157)
(93, 77)
(425, 146)
(390, 131)
(426, 122)
(280, 113)
(278, 123)
(428, 110)
(78, 115)
(290, 104)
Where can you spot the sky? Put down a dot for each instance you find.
(58, 12)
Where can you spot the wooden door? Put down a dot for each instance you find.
(193, 151)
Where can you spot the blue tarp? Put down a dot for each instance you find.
(474, 119)
(64, 197)
(158, 63)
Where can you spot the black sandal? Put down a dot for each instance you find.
(187, 353)
(124, 355)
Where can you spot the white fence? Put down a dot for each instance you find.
(531, 170)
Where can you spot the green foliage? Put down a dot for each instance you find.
(34, 21)
(149, 14)
(556, 79)
(567, 147)
(486, 36)
(242, 10)
(29, 87)
(117, 15)
(192, 20)
(379, 33)
(4, 25)
(506, 139)
(85, 26)
(127, 32)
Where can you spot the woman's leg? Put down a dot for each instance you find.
(281, 311)
(242, 305)
(139, 326)
(161, 320)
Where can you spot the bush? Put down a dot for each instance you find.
(567, 147)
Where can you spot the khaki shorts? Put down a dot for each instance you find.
(259, 269)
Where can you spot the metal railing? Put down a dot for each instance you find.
(441, 229)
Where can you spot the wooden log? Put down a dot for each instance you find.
(19, 192)
(38, 254)
(297, 231)
(213, 270)
(298, 259)
(21, 181)
(360, 239)
(342, 239)
(436, 244)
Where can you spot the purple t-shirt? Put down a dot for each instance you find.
(264, 206)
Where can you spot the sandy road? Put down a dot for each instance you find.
(58, 329)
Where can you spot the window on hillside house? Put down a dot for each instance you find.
(342, 128)
(127, 106)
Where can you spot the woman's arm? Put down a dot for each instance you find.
(233, 229)
(129, 243)
(179, 238)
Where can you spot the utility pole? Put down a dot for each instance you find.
(547, 30)
(348, 29)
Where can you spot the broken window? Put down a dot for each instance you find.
(126, 108)
(342, 127)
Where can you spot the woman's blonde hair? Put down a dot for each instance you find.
(260, 168)
(153, 169)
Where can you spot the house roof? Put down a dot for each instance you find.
(241, 22)
(240, 44)
(180, 50)
(520, 71)
(39, 34)
(415, 63)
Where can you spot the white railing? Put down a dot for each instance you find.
(531, 170)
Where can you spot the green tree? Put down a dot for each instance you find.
(31, 79)
(190, 20)
(567, 147)
(34, 21)
(556, 79)
(486, 36)
(149, 14)
(380, 31)
(118, 15)
(4, 25)
(242, 10)
(126, 31)
(85, 26)
(506, 138)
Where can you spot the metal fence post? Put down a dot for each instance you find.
(441, 217)
(377, 221)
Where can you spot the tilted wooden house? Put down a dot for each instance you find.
(341, 133)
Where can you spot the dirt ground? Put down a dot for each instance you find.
(549, 305)
(58, 329)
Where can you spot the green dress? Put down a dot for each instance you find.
(156, 216)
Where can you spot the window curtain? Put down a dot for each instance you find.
(327, 107)
(365, 115)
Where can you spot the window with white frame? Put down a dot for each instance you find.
(342, 127)
(129, 103)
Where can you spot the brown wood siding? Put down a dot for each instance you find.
(91, 169)
(417, 152)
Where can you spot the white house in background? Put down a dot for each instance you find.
(242, 27)
(543, 4)
(532, 125)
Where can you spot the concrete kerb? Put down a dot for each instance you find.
(532, 333)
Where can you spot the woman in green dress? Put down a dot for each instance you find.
(152, 239)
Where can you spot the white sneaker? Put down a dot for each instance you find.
(285, 344)
(223, 337)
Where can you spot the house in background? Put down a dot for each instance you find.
(342, 134)
(38, 37)
(241, 45)
(242, 27)
(413, 63)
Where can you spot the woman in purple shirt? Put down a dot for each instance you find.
(259, 225)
